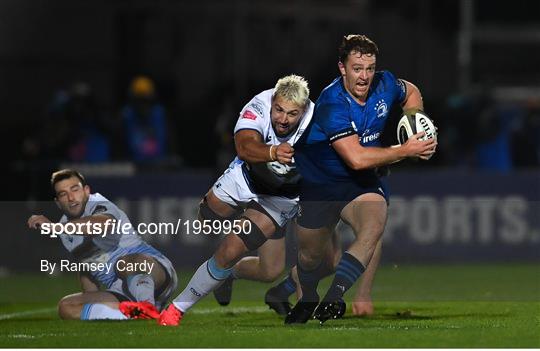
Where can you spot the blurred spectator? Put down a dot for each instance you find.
(526, 139)
(87, 135)
(73, 129)
(493, 133)
(479, 131)
(145, 122)
(48, 140)
(223, 130)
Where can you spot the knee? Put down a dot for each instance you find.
(270, 274)
(69, 308)
(309, 259)
(139, 262)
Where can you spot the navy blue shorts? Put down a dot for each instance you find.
(321, 204)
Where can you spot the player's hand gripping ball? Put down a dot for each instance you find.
(415, 122)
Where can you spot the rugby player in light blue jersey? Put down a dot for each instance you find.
(127, 269)
(338, 156)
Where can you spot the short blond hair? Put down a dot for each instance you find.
(293, 88)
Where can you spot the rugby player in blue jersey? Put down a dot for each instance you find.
(338, 157)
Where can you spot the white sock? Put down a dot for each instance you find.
(206, 279)
(141, 287)
(93, 311)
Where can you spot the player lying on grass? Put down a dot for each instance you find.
(139, 272)
(269, 264)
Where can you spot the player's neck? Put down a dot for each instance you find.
(359, 100)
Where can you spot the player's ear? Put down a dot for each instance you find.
(87, 190)
(341, 67)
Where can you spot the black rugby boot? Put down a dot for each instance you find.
(301, 312)
(330, 310)
(278, 303)
(224, 292)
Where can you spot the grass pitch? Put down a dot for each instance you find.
(416, 306)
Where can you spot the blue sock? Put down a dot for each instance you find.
(309, 280)
(286, 287)
(348, 271)
(216, 272)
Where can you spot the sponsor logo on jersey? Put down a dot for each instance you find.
(256, 106)
(249, 115)
(340, 135)
(371, 137)
(381, 108)
(268, 138)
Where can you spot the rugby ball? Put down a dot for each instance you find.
(279, 168)
(415, 122)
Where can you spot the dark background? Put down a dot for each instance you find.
(66, 66)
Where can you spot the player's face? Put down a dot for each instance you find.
(285, 116)
(358, 71)
(71, 196)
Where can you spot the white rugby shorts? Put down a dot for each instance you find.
(233, 189)
(119, 286)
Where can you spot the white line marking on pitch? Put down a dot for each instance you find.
(258, 309)
(26, 313)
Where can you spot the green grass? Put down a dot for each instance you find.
(446, 306)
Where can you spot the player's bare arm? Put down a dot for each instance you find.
(413, 99)
(101, 218)
(360, 157)
(250, 147)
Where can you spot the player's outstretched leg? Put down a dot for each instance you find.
(142, 286)
(303, 310)
(207, 278)
(367, 217)
(362, 304)
(266, 267)
(90, 306)
(313, 248)
(212, 273)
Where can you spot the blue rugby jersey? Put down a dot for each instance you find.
(338, 115)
